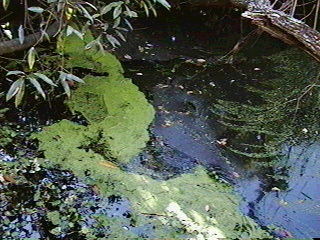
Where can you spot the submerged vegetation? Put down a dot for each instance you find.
(285, 109)
(107, 126)
(114, 132)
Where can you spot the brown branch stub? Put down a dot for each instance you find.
(14, 45)
(288, 29)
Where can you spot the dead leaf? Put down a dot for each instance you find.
(108, 164)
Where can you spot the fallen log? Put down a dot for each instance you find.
(288, 29)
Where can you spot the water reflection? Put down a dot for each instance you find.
(295, 211)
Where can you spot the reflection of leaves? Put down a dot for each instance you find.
(164, 3)
(5, 4)
(146, 9)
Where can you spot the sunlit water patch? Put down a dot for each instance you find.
(292, 207)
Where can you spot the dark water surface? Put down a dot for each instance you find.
(283, 197)
(294, 205)
(187, 132)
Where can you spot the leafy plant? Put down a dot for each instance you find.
(111, 20)
(17, 88)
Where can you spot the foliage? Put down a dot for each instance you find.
(109, 20)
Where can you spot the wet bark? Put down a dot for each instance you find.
(275, 22)
(283, 26)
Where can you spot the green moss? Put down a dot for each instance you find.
(192, 205)
(93, 59)
(117, 112)
(189, 206)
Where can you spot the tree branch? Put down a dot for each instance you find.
(288, 29)
(14, 45)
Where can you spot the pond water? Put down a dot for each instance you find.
(176, 63)
(282, 196)
(294, 205)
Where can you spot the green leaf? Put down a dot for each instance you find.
(66, 87)
(37, 85)
(21, 34)
(130, 13)
(108, 7)
(5, 4)
(114, 42)
(164, 3)
(91, 44)
(31, 57)
(45, 78)
(117, 11)
(36, 9)
(64, 83)
(71, 30)
(92, 6)
(19, 95)
(14, 88)
(86, 13)
(116, 22)
(74, 78)
(16, 72)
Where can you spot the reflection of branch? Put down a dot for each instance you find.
(14, 45)
(307, 90)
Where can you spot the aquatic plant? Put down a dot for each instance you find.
(24, 27)
(117, 116)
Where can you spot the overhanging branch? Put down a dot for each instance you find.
(14, 45)
(288, 29)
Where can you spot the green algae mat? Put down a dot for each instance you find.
(191, 206)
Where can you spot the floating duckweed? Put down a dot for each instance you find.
(118, 117)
